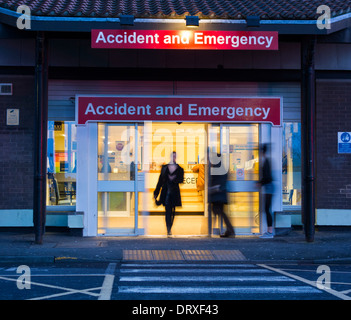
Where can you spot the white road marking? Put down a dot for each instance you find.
(84, 291)
(189, 265)
(67, 290)
(198, 270)
(105, 289)
(148, 273)
(107, 285)
(213, 290)
(203, 278)
(309, 282)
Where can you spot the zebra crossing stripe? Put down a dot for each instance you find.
(198, 270)
(166, 274)
(203, 278)
(219, 290)
(187, 265)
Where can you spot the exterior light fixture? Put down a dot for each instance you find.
(126, 20)
(253, 21)
(192, 21)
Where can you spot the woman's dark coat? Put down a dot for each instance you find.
(221, 195)
(166, 186)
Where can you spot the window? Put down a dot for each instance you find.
(115, 152)
(61, 163)
(241, 143)
(292, 163)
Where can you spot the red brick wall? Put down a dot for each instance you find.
(333, 170)
(16, 145)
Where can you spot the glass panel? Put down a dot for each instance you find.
(189, 142)
(115, 152)
(214, 139)
(115, 213)
(62, 161)
(241, 142)
(243, 211)
(292, 163)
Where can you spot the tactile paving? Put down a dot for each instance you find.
(183, 255)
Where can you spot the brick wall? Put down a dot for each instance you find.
(16, 145)
(333, 115)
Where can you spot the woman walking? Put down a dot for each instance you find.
(168, 183)
(218, 195)
(266, 182)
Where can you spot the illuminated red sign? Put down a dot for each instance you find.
(185, 39)
(178, 109)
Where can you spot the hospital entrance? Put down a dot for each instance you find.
(129, 160)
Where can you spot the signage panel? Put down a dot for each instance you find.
(178, 109)
(12, 117)
(344, 142)
(184, 39)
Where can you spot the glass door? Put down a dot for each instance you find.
(189, 142)
(116, 171)
(120, 175)
(239, 146)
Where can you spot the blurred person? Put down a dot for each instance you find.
(200, 182)
(217, 194)
(132, 167)
(168, 183)
(266, 185)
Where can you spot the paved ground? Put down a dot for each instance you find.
(329, 246)
(184, 268)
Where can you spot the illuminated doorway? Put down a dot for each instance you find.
(238, 145)
(127, 166)
(189, 141)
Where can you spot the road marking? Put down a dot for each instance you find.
(140, 280)
(107, 285)
(67, 290)
(309, 282)
(85, 291)
(213, 290)
(202, 278)
(313, 271)
(189, 265)
(59, 275)
(198, 270)
(11, 269)
(105, 289)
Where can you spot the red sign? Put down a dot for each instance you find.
(178, 109)
(185, 39)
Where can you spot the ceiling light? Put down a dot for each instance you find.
(192, 21)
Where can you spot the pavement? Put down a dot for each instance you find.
(329, 246)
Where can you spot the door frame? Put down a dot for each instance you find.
(88, 184)
(267, 134)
